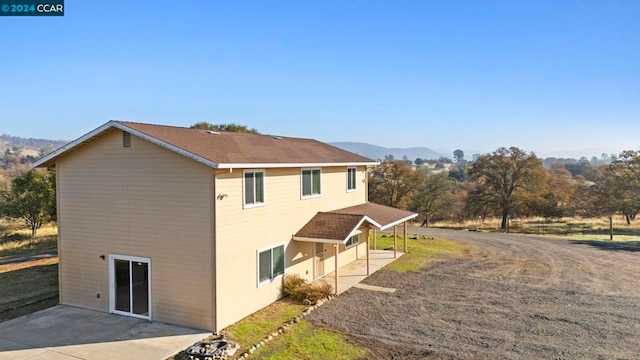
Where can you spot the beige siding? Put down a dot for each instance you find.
(140, 201)
(241, 232)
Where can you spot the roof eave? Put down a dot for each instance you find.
(321, 240)
(47, 160)
(353, 231)
(386, 226)
(294, 165)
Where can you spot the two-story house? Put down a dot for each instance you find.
(196, 227)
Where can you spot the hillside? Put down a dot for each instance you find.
(378, 152)
(10, 142)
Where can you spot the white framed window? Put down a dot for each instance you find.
(270, 264)
(351, 179)
(353, 241)
(311, 183)
(253, 185)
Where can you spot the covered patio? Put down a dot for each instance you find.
(346, 227)
(356, 271)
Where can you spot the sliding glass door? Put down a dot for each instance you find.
(130, 286)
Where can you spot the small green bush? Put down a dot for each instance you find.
(299, 289)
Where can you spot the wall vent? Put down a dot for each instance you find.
(126, 139)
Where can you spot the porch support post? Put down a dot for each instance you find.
(368, 252)
(395, 240)
(375, 240)
(405, 236)
(336, 272)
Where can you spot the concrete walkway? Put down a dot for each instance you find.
(65, 333)
(356, 271)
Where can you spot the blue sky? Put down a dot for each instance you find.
(554, 77)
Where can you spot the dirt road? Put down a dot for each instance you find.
(512, 297)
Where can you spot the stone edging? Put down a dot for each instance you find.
(284, 328)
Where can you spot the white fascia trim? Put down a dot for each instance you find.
(364, 218)
(137, 133)
(291, 165)
(72, 144)
(325, 241)
(398, 222)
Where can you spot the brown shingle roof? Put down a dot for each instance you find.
(330, 226)
(226, 149)
(337, 225)
(384, 215)
(242, 148)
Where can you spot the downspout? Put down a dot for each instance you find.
(59, 245)
(214, 286)
(366, 184)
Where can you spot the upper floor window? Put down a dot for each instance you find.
(351, 179)
(311, 183)
(253, 188)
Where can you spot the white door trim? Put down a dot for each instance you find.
(112, 285)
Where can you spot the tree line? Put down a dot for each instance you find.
(511, 182)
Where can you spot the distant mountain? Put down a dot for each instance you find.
(378, 152)
(8, 141)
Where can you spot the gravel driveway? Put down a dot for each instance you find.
(512, 297)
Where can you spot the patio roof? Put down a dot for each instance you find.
(337, 226)
(385, 216)
(332, 227)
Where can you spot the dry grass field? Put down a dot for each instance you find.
(570, 228)
(29, 281)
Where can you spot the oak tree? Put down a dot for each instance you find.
(231, 127)
(433, 197)
(393, 182)
(504, 179)
(31, 197)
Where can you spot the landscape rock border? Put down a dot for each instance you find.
(285, 327)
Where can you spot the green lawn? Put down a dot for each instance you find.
(420, 251)
(255, 327)
(305, 341)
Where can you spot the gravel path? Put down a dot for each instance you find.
(512, 297)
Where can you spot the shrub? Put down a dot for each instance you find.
(292, 286)
(299, 289)
(317, 290)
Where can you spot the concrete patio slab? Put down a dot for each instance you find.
(356, 271)
(64, 332)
